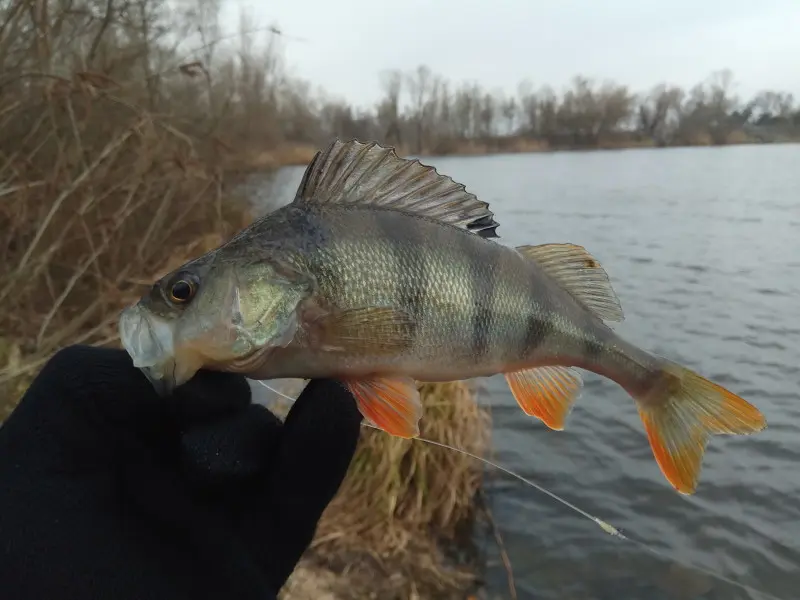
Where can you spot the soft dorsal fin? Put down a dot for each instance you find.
(580, 274)
(367, 174)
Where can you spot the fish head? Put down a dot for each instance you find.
(215, 312)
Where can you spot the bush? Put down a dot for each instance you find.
(111, 169)
(120, 160)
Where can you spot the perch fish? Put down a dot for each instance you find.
(381, 272)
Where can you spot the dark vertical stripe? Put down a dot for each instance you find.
(540, 324)
(407, 247)
(320, 254)
(538, 327)
(482, 291)
(591, 335)
(592, 348)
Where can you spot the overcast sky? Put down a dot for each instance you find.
(347, 43)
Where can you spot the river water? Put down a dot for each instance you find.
(703, 248)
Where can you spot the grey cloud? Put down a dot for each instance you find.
(639, 43)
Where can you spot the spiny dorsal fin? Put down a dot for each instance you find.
(580, 274)
(367, 174)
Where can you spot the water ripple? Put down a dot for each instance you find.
(699, 245)
(707, 288)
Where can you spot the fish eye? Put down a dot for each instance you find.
(182, 289)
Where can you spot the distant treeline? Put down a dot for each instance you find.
(425, 113)
(238, 90)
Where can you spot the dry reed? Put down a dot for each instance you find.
(403, 504)
(99, 198)
(107, 177)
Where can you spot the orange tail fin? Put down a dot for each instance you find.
(680, 415)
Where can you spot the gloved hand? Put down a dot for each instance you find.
(108, 491)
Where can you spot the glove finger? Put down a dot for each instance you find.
(229, 456)
(105, 380)
(317, 444)
(87, 398)
(160, 499)
(208, 396)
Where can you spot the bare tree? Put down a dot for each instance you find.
(659, 113)
(770, 107)
(419, 85)
(388, 110)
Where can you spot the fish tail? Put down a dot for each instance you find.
(681, 411)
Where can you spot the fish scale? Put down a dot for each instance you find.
(381, 273)
(437, 285)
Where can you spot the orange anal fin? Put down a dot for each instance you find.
(390, 403)
(547, 393)
(682, 413)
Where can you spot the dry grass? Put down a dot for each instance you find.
(294, 154)
(739, 137)
(99, 197)
(286, 155)
(403, 504)
(109, 175)
(699, 139)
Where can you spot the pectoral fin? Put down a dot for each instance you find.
(373, 330)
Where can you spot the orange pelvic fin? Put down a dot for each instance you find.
(390, 403)
(547, 393)
(682, 412)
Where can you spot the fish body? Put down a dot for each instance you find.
(381, 273)
(476, 308)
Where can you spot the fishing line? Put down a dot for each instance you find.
(604, 525)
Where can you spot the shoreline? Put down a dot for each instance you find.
(297, 155)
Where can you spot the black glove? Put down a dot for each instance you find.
(109, 491)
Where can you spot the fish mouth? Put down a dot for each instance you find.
(149, 341)
(162, 378)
